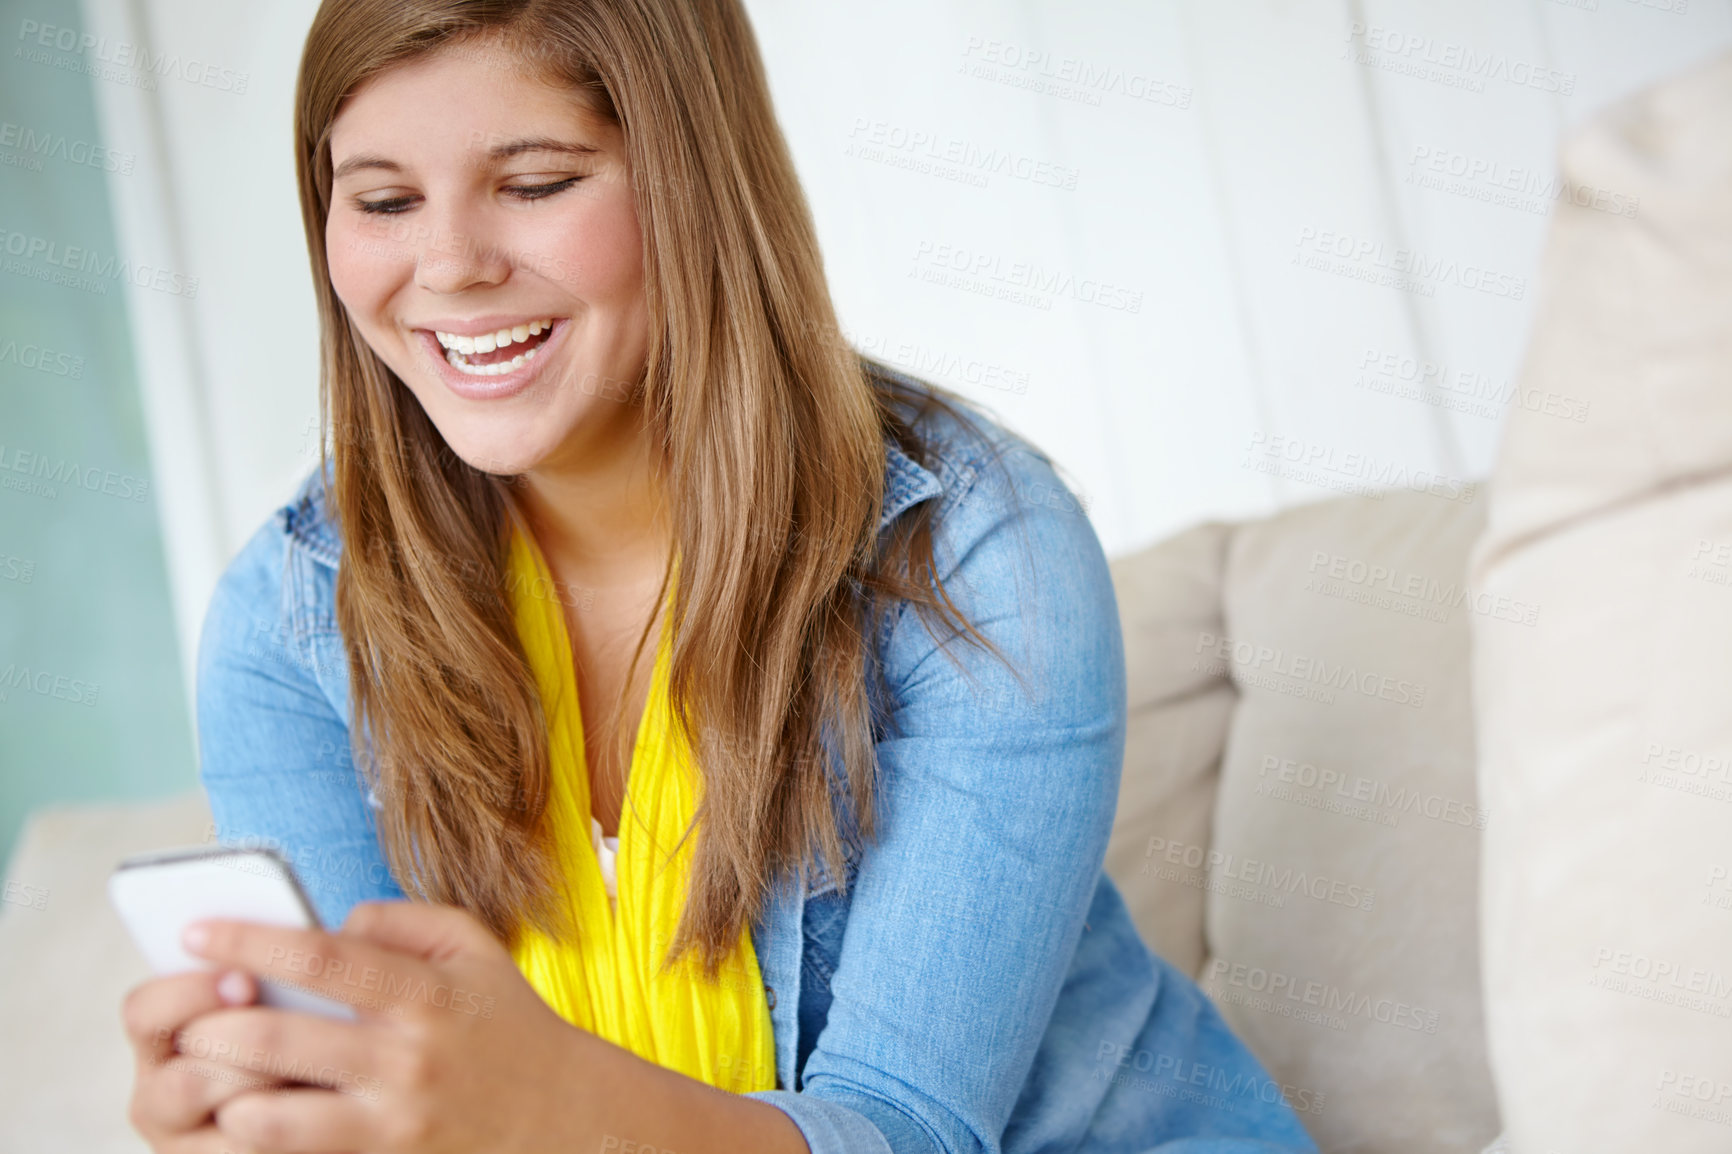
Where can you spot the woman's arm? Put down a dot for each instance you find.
(273, 749)
(997, 803)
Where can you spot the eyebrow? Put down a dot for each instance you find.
(498, 152)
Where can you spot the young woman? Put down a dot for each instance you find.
(745, 719)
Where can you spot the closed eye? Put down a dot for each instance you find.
(537, 191)
(391, 206)
(388, 207)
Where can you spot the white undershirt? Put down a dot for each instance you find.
(606, 850)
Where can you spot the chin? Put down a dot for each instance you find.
(499, 462)
(494, 451)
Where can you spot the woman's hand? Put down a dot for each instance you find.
(175, 1088)
(453, 1050)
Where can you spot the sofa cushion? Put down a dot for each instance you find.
(1347, 828)
(1332, 841)
(1605, 734)
(1176, 727)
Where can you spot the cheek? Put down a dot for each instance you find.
(601, 253)
(360, 268)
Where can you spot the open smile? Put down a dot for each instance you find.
(496, 353)
(498, 357)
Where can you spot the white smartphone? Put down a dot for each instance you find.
(159, 894)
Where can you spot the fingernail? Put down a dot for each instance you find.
(195, 938)
(232, 988)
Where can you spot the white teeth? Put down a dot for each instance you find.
(456, 361)
(487, 342)
(457, 348)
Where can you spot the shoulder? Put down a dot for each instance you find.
(1018, 558)
(982, 476)
(275, 595)
(302, 526)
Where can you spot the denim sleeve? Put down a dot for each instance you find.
(996, 800)
(273, 749)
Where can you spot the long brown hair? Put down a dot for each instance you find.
(770, 432)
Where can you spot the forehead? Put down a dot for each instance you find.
(469, 96)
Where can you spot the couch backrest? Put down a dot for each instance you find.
(1606, 734)
(1298, 823)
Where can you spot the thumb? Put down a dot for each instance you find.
(422, 929)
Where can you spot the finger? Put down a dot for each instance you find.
(305, 1121)
(153, 1010)
(283, 1045)
(206, 1139)
(178, 1096)
(434, 932)
(340, 966)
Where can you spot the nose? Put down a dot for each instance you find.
(459, 252)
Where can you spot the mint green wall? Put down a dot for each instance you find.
(89, 675)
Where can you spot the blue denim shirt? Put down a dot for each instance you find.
(980, 987)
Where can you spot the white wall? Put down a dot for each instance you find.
(1210, 145)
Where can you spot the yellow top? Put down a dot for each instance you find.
(606, 981)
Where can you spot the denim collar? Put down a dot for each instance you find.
(307, 520)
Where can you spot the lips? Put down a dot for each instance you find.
(480, 364)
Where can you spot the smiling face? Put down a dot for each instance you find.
(484, 239)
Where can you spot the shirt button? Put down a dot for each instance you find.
(771, 995)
